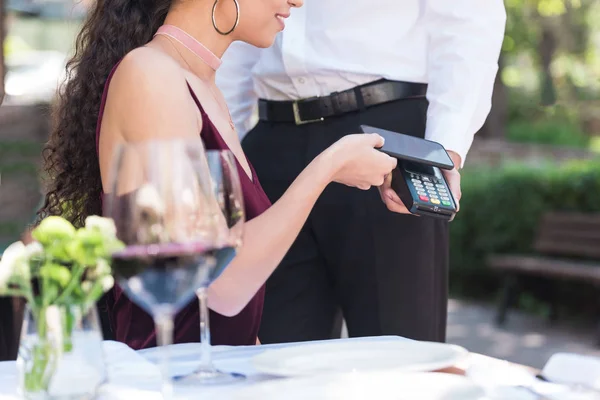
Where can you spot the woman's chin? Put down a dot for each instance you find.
(263, 42)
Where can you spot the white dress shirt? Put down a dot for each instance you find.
(333, 45)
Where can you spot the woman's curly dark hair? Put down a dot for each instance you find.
(112, 29)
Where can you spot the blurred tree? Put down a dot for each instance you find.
(532, 27)
(519, 39)
(548, 50)
(495, 125)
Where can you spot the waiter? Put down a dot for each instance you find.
(420, 67)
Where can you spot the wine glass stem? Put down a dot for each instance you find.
(163, 321)
(205, 355)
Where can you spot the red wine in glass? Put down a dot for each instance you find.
(157, 274)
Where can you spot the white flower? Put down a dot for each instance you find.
(12, 260)
(86, 286)
(108, 282)
(102, 267)
(105, 226)
(34, 249)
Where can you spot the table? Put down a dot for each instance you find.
(132, 376)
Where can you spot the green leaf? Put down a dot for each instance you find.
(53, 229)
(89, 237)
(58, 273)
(549, 8)
(50, 294)
(81, 254)
(58, 251)
(89, 245)
(95, 293)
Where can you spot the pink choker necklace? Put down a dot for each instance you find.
(201, 51)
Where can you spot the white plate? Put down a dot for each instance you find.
(380, 385)
(406, 355)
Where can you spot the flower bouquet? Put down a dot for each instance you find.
(61, 275)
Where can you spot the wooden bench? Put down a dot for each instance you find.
(567, 247)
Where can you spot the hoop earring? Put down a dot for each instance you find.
(237, 18)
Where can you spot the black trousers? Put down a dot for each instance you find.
(386, 272)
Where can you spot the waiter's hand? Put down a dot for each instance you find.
(390, 197)
(393, 202)
(453, 178)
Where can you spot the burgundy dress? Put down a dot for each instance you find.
(135, 327)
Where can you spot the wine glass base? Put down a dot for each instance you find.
(210, 376)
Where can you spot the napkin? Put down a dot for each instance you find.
(130, 375)
(125, 365)
(505, 381)
(573, 369)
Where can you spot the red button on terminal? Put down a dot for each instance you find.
(424, 198)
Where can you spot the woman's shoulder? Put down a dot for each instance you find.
(148, 95)
(147, 68)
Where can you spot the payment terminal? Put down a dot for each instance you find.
(418, 179)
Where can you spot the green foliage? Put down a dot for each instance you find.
(549, 52)
(20, 147)
(525, 19)
(10, 228)
(531, 122)
(19, 168)
(557, 133)
(521, 30)
(500, 211)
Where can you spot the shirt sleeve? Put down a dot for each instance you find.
(464, 42)
(234, 79)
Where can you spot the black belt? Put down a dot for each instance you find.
(316, 109)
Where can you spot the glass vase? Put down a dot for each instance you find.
(60, 353)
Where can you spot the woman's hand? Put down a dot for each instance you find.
(358, 163)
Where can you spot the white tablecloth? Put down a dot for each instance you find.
(134, 374)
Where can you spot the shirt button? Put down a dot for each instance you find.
(301, 80)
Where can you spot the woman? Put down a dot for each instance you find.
(162, 86)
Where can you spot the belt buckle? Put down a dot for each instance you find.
(298, 120)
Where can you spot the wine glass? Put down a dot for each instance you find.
(228, 218)
(157, 198)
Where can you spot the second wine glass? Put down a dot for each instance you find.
(228, 217)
